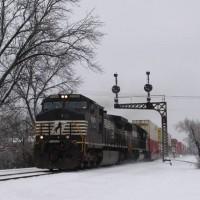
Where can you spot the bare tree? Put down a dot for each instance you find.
(39, 33)
(192, 128)
(16, 138)
(39, 80)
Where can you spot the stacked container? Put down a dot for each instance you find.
(154, 137)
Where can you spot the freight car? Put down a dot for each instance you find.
(178, 148)
(73, 131)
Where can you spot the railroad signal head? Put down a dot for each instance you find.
(115, 74)
(148, 87)
(115, 89)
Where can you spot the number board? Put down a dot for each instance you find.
(54, 96)
(75, 96)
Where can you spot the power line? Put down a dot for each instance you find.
(183, 97)
(129, 95)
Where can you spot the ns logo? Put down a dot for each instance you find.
(57, 128)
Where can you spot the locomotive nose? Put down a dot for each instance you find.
(53, 154)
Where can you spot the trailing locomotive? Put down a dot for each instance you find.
(73, 131)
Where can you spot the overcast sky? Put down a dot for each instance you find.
(160, 36)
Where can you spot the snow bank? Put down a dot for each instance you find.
(148, 181)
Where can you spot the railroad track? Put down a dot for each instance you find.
(19, 175)
(185, 161)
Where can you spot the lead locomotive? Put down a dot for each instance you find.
(73, 131)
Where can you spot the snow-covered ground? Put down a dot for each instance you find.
(140, 181)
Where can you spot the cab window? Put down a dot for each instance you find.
(52, 105)
(76, 104)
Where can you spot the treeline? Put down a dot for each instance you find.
(41, 50)
(192, 128)
(16, 138)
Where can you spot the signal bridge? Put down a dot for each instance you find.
(160, 107)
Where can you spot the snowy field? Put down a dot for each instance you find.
(138, 181)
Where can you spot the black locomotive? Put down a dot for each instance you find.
(73, 131)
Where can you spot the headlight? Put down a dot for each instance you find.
(67, 136)
(41, 137)
(64, 96)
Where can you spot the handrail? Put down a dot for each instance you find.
(82, 137)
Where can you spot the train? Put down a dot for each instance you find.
(178, 148)
(73, 131)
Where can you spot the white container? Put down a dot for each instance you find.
(150, 127)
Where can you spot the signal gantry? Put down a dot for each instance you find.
(160, 107)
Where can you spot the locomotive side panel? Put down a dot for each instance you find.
(95, 118)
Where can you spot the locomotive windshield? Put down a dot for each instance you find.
(76, 104)
(53, 105)
(68, 104)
